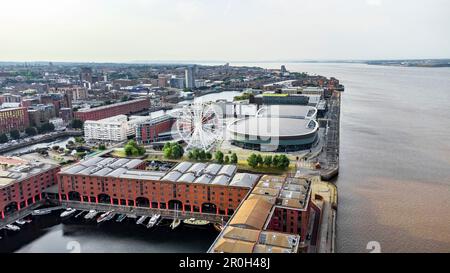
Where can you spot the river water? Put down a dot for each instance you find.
(394, 181)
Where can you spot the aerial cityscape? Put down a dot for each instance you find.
(183, 146)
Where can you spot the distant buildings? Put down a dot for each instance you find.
(121, 108)
(189, 77)
(41, 113)
(13, 119)
(86, 75)
(177, 83)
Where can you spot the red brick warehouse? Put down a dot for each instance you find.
(121, 108)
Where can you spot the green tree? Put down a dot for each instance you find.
(31, 131)
(102, 147)
(284, 162)
(260, 160)
(190, 155)
(219, 157)
(275, 161)
(252, 160)
(226, 159)
(234, 159)
(3, 138)
(202, 155)
(14, 134)
(208, 155)
(196, 154)
(77, 124)
(177, 151)
(132, 148)
(268, 160)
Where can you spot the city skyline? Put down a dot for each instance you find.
(168, 31)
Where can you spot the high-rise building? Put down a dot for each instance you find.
(189, 77)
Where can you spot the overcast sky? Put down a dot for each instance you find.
(226, 30)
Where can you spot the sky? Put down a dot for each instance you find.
(223, 30)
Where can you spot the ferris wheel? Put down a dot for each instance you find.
(200, 125)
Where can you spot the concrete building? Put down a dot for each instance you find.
(74, 92)
(22, 183)
(189, 77)
(116, 129)
(121, 108)
(177, 83)
(13, 119)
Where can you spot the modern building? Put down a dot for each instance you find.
(13, 119)
(273, 219)
(110, 129)
(154, 130)
(194, 187)
(66, 114)
(121, 108)
(275, 134)
(22, 183)
(177, 83)
(189, 77)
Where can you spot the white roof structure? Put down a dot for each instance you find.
(244, 180)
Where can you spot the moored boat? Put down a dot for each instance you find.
(120, 218)
(176, 222)
(12, 227)
(141, 220)
(68, 212)
(153, 220)
(195, 222)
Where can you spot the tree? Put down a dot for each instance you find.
(268, 160)
(14, 134)
(3, 138)
(252, 160)
(219, 157)
(234, 159)
(202, 155)
(275, 160)
(208, 155)
(260, 160)
(102, 147)
(77, 124)
(226, 159)
(177, 151)
(190, 155)
(132, 148)
(171, 150)
(31, 131)
(195, 154)
(284, 162)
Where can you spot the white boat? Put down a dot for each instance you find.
(176, 222)
(91, 214)
(21, 222)
(153, 220)
(41, 211)
(12, 227)
(141, 220)
(67, 212)
(106, 216)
